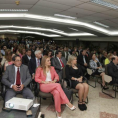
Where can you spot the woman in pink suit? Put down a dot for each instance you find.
(47, 77)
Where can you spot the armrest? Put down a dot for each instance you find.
(85, 79)
(31, 86)
(68, 81)
(37, 89)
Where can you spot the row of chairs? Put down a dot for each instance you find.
(107, 79)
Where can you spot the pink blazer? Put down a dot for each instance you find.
(39, 75)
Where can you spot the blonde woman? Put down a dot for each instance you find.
(47, 77)
(73, 72)
(108, 59)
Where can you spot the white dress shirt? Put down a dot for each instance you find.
(28, 57)
(84, 59)
(59, 61)
(16, 69)
(48, 77)
(37, 61)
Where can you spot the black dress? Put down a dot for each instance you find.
(96, 71)
(71, 72)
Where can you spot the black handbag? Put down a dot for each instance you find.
(69, 93)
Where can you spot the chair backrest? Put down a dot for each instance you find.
(64, 74)
(89, 71)
(106, 72)
(107, 78)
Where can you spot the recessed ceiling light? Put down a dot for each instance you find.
(73, 29)
(64, 16)
(104, 3)
(30, 32)
(58, 30)
(14, 10)
(49, 30)
(101, 24)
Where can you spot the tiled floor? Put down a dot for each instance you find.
(99, 106)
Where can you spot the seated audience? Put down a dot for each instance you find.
(104, 56)
(112, 69)
(34, 63)
(8, 57)
(82, 59)
(59, 63)
(17, 78)
(74, 73)
(108, 59)
(3, 50)
(96, 66)
(27, 57)
(47, 77)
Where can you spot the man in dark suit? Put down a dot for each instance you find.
(34, 63)
(112, 69)
(27, 57)
(82, 59)
(59, 63)
(65, 53)
(17, 78)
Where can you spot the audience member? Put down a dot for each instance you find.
(108, 59)
(47, 77)
(27, 57)
(74, 73)
(17, 78)
(96, 66)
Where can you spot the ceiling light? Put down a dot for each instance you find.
(101, 24)
(64, 16)
(107, 4)
(74, 29)
(76, 23)
(30, 32)
(49, 30)
(14, 10)
(58, 30)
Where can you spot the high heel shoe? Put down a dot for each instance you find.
(57, 115)
(72, 108)
(80, 106)
(84, 106)
(104, 87)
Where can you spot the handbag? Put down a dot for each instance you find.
(69, 93)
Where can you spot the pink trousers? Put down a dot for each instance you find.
(58, 94)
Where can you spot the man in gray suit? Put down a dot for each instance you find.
(17, 78)
(59, 63)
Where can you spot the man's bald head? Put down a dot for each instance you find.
(115, 60)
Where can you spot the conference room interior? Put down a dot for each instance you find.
(69, 27)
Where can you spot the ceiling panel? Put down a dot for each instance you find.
(28, 2)
(109, 23)
(11, 6)
(80, 11)
(115, 20)
(67, 2)
(41, 10)
(52, 5)
(113, 13)
(92, 7)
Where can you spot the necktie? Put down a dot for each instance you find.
(38, 62)
(62, 63)
(18, 82)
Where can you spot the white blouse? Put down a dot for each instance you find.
(48, 77)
